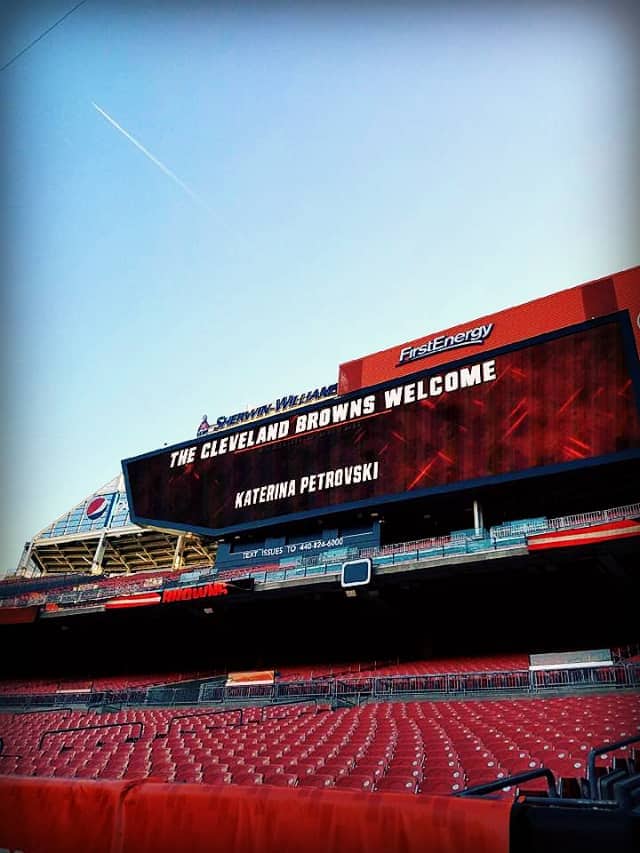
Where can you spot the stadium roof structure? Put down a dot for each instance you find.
(97, 537)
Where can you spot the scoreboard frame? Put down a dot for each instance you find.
(621, 318)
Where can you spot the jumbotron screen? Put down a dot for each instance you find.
(563, 399)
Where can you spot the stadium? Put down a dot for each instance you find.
(398, 612)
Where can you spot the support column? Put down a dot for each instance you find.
(96, 565)
(23, 565)
(478, 521)
(177, 554)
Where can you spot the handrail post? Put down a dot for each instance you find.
(90, 728)
(498, 784)
(591, 761)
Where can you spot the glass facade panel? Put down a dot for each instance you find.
(93, 514)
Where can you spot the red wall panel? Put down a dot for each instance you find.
(565, 308)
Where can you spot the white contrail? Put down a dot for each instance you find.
(153, 159)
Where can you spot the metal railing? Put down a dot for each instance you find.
(397, 686)
(234, 717)
(618, 675)
(602, 750)
(50, 732)
(332, 689)
(584, 519)
(510, 781)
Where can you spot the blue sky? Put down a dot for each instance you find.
(363, 174)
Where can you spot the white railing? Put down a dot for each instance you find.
(564, 522)
(585, 519)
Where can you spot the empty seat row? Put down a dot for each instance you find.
(419, 747)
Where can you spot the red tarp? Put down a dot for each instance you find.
(58, 815)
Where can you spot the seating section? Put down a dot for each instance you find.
(343, 671)
(630, 653)
(436, 666)
(443, 666)
(441, 676)
(102, 683)
(330, 670)
(417, 747)
(248, 571)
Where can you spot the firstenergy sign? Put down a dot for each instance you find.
(443, 343)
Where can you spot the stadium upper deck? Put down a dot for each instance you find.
(97, 537)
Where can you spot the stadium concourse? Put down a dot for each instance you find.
(397, 613)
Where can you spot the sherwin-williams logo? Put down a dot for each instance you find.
(442, 343)
(293, 401)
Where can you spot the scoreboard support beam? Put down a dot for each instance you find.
(177, 554)
(478, 521)
(96, 565)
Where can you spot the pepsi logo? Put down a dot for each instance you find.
(96, 507)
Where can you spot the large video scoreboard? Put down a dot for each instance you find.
(563, 399)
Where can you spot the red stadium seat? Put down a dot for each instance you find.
(281, 779)
(318, 780)
(356, 781)
(398, 784)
